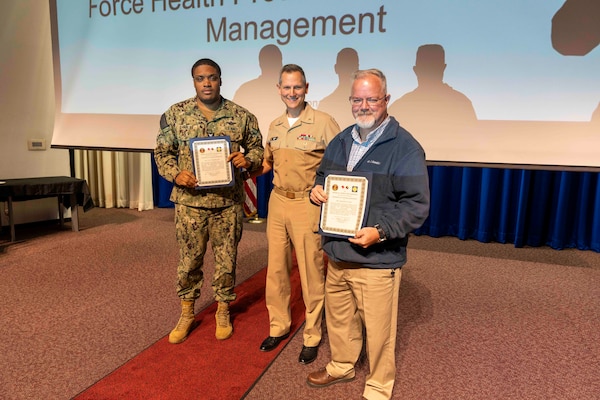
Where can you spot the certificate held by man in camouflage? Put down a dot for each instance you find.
(210, 161)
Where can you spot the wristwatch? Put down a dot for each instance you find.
(382, 236)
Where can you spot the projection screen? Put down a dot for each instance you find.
(512, 82)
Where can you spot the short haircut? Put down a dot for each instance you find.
(361, 73)
(429, 54)
(289, 68)
(206, 61)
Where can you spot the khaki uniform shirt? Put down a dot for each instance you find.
(295, 152)
(184, 121)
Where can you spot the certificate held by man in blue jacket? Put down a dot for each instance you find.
(344, 212)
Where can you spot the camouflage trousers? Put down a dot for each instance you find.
(194, 227)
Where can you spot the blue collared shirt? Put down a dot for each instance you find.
(359, 148)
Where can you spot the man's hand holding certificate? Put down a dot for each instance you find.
(211, 165)
(344, 211)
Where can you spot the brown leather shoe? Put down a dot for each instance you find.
(321, 378)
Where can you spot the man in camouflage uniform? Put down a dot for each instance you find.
(214, 213)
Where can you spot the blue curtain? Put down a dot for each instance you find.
(524, 207)
(264, 185)
(161, 188)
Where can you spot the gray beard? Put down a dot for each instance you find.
(368, 124)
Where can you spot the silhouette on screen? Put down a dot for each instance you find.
(596, 117)
(576, 32)
(336, 103)
(434, 107)
(260, 95)
(576, 27)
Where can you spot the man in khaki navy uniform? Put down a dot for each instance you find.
(214, 213)
(295, 145)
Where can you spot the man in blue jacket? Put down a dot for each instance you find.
(363, 276)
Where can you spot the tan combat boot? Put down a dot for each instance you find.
(185, 324)
(224, 327)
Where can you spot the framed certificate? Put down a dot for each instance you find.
(209, 156)
(347, 201)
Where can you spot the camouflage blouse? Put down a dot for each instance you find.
(184, 121)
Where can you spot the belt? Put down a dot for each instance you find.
(291, 195)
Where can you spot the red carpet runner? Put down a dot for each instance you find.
(203, 367)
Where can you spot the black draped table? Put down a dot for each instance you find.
(71, 193)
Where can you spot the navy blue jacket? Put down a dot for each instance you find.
(399, 194)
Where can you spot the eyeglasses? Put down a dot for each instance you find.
(211, 78)
(357, 101)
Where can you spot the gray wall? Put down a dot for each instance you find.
(27, 103)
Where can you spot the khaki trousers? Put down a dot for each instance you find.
(358, 297)
(292, 224)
